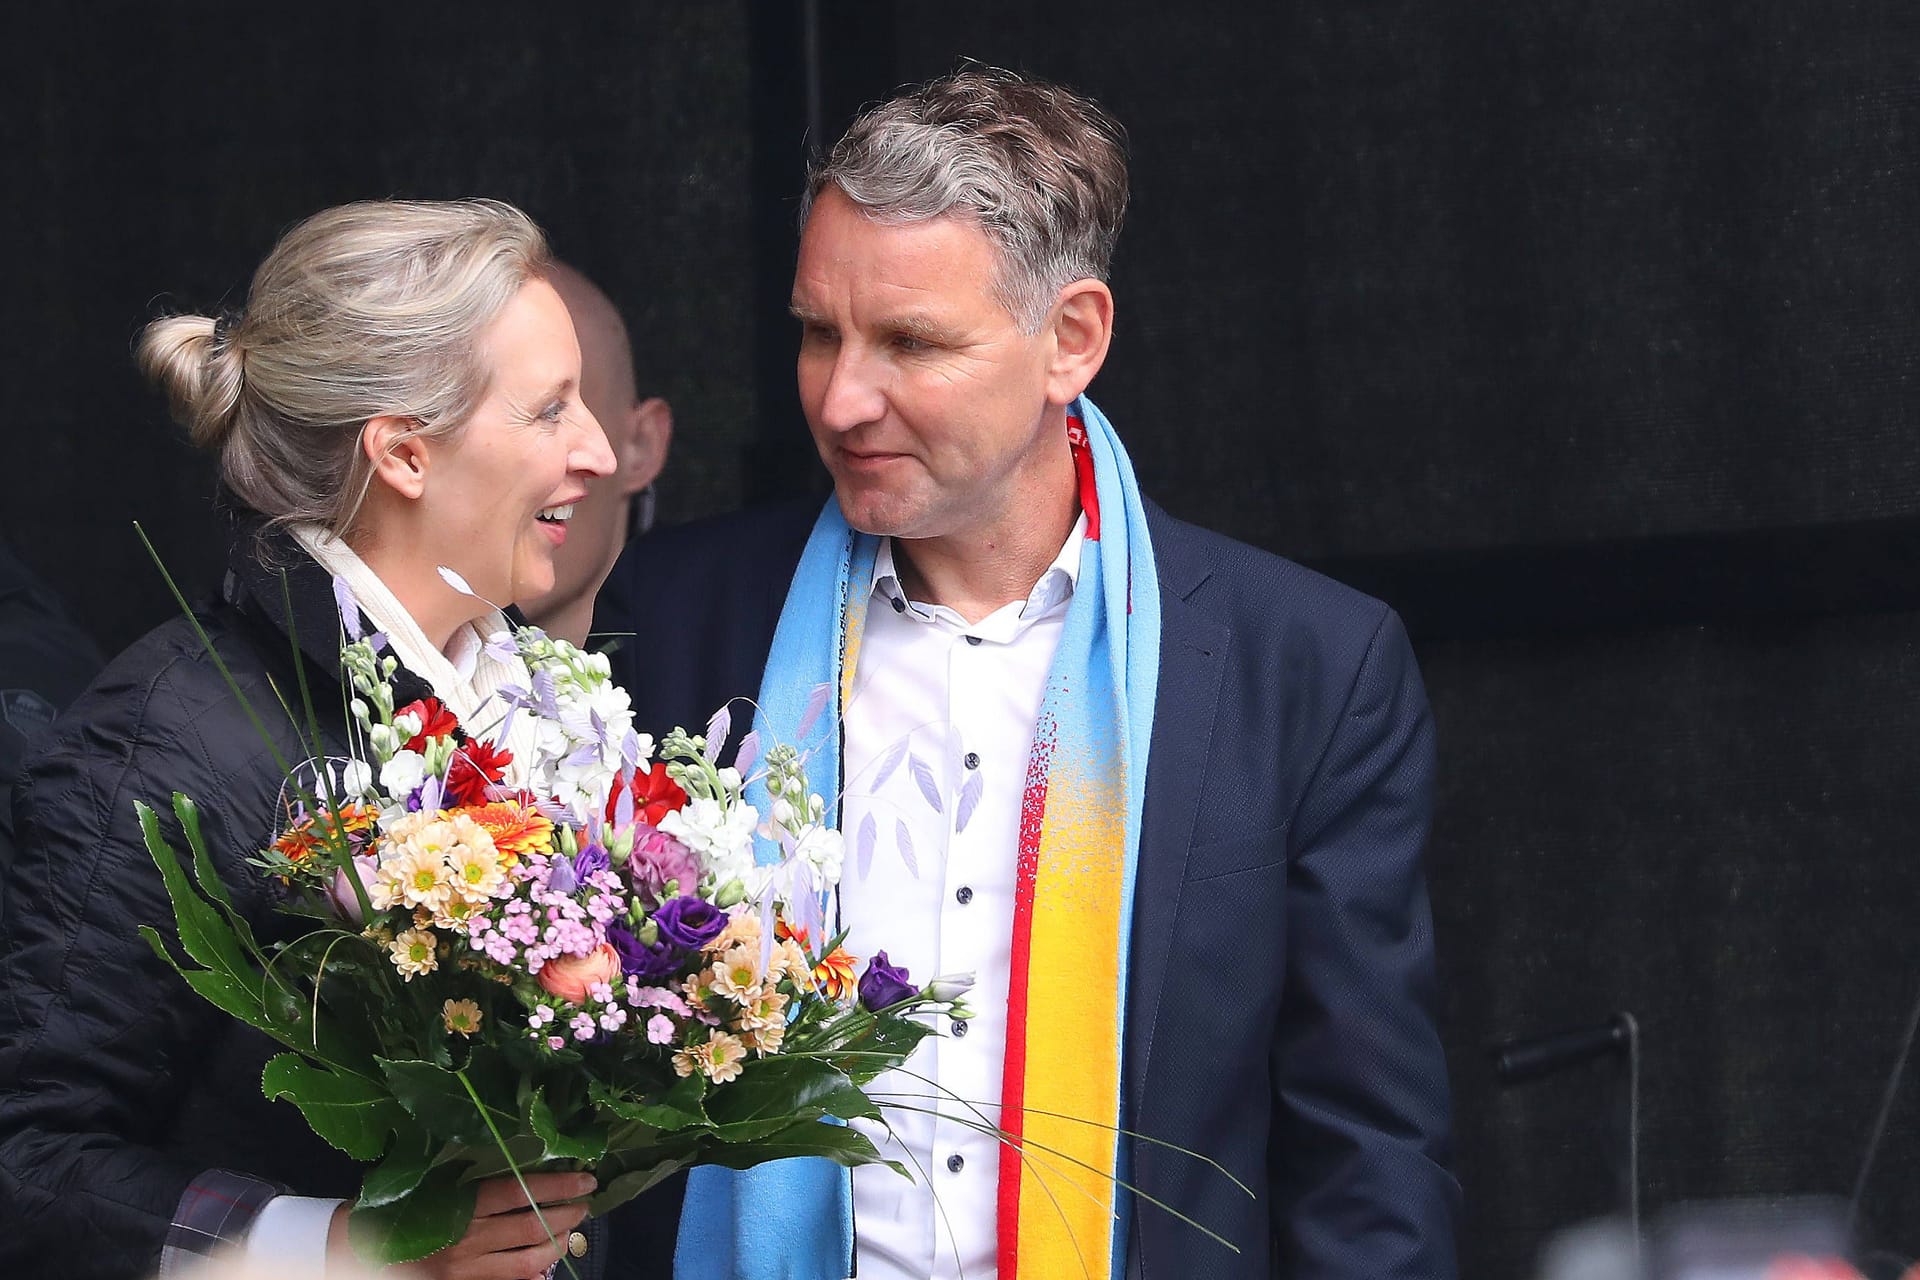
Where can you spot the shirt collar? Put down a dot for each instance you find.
(1055, 588)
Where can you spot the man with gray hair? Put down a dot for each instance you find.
(1161, 797)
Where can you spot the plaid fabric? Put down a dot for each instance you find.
(215, 1210)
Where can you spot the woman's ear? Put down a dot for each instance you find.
(398, 454)
(1082, 323)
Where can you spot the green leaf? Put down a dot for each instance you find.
(523, 1151)
(233, 995)
(617, 1191)
(894, 1037)
(436, 1098)
(678, 1108)
(406, 1166)
(780, 1090)
(204, 933)
(588, 1142)
(427, 1219)
(353, 1113)
(835, 1142)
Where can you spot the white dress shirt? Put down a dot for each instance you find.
(939, 729)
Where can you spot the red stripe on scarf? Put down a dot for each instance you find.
(1013, 1089)
(1083, 469)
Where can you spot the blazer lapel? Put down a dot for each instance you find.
(1192, 656)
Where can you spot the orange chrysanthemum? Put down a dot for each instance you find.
(311, 834)
(835, 974)
(516, 828)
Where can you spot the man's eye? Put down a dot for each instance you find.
(555, 411)
(907, 342)
(817, 333)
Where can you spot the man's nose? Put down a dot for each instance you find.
(853, 394)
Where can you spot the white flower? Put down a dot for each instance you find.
(356, 777)
(400, 775)
(949, 987)
(408, 725)
(824, 849)
(722, 837)
(730, 778)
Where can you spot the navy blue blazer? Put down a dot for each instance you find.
(1280, 1014)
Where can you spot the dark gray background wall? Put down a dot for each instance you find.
(1583, 333)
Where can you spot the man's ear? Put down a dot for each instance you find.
(643, 455)
(1082, 324)
(398, 454)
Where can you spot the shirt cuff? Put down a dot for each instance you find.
(216, 1209)
(289, 1235)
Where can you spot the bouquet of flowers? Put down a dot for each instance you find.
(587, 967)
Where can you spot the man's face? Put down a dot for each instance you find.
(926, 401)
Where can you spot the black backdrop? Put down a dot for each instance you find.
(1582, 332)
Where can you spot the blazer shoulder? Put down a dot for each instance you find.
(744, 543)
(1253, 591)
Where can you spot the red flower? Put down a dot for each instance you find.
(655, 795)
(476, 766)
(435, 721)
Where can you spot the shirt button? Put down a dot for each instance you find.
(959, 1029)
(955, 1163)
(963, 895)
(973, 759)
(973, 639)
(899, 605)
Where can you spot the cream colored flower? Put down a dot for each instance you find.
(421, 874)
(792, 962)
(736, 975)
(766, 1040)
(687, 1061)
(474, 867)
(413, 953)
(766, 1010)
(462, 1017)
(456, 915)
(721, 1056)
(743, 930)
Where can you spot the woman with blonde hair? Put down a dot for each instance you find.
(399, 395)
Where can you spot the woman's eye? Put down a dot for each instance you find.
(555, 411)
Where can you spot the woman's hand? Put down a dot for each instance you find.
(505, 1241)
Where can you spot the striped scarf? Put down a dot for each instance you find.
(1061, 1212)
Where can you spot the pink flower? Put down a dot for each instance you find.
(660, 1029)
(341, 893)
(657, 859)
(570, 977)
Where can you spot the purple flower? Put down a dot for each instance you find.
(638, 960)
(349, 611)
(657, 859)
(690, 922)
(560, 877)
(590, 861)
(884, 985)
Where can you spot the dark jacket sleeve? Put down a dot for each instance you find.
(96, 1034)
(1360, 1147)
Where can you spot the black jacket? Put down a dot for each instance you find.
(1287, 797)
(119, 1084)
(45, 661)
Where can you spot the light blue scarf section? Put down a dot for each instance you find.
(793, 1219)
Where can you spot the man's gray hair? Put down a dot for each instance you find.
(1040, 169)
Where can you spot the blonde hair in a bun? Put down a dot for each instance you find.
(363, 310)
(200, 371)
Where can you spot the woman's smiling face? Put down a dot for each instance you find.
(498, 494)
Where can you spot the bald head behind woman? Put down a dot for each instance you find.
(639, 431)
